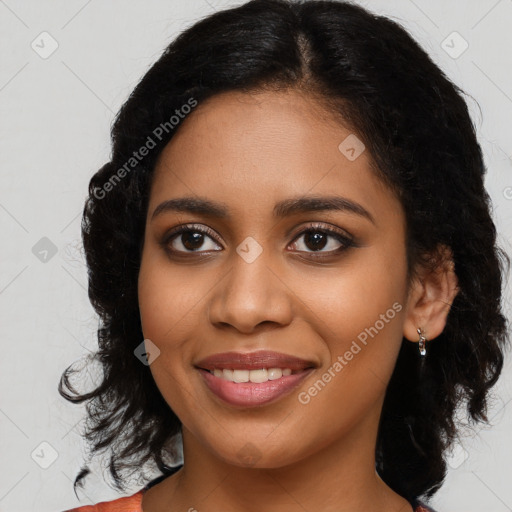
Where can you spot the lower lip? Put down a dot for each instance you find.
(252, 394)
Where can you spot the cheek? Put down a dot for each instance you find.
(360, 311)
(171, 304)
(169, 296)
(360, 316)
(166, 304)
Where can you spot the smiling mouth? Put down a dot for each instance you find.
(248, 379)
(244, 393)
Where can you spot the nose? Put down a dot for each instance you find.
(251, 297)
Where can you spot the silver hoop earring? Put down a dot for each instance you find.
(422, 345)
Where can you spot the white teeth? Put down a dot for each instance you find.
(275, 373)
(256, 376)
(241, 375)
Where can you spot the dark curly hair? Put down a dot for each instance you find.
(415, 124)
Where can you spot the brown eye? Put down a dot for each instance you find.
(315, 240)
(191, 239)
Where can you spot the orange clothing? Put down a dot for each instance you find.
(133, 504)
(127, 504)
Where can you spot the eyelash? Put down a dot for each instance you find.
(344, 239)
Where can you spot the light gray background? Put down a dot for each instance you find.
(54, 133)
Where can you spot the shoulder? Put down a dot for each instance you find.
(126, 504)
(132, 503)
(421, 507)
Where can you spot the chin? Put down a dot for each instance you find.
(255, 453)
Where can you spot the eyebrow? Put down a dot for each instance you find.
(287, 207)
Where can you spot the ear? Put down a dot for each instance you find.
(431, 294)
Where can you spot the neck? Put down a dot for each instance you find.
(339, 477)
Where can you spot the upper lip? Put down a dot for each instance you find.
(253, 361)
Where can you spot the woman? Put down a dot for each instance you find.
(295, 267)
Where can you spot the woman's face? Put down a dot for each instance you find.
(259, 171)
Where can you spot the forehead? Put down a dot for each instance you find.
(235, 124)
(243, 148)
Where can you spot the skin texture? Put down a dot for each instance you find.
(250, 151)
